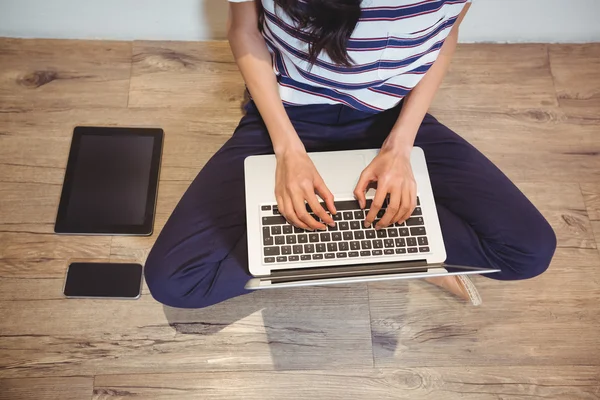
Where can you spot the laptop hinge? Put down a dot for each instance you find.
(346, 271)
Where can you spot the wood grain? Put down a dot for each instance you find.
(280, 330)
(576, 72)
(497, 78)
(520, 323)
(63, 74)
(591, 195)
(488, 383)
(168, 74)
(72, 388)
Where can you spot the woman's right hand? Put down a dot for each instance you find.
(298, 182)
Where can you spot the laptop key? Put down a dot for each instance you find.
(381, 213)
(388, 252)
(298, 230)
(400, 242)
(332, 247)
(355, 225)
(269, 260)
(388, 243)
(411, 241)
(365, 245)
(268, 241)
(417, 212)
(317, 256)
(424, 249)
(413, 250)
(298, 249)
(303, 238)
(401, 251)
(305, 257)
(309, 248)
(414, 221)
(272, 251)
(266, 231)
(336, 236)
(329, 255)
(348, 215)
(346, 205)
(359, 215)
(359, 235)
(344, 246)
(281, 259)
(325, 237)
(418, 231)
(313, 237)
(392, 232)
(290, 239)
(341, 255)
(418, 201)
(370, 234)
(378, 244)
(266, 208)
(276, 211)
(333, 228)
(321, 248)
(287, 229)
(381, 233)
(422, 241)
(286, 250)
(344, 226)
(280, 240)
(355, 245)
(377, 252)
(404, 232)
(273, 220)
(276, 230)
(294, 258)
(365, 253)
(353, 254)
(348, 236)
(337, 217)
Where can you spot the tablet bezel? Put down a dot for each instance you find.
(63, 226)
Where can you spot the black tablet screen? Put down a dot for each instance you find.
(111, 179)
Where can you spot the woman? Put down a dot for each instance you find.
(335, 75)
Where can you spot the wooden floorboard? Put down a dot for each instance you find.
(532, 109)
(450, 383)
(71, 388)
(61, 74)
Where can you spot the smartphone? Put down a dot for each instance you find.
(103, 281)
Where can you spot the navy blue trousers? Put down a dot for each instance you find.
(200, 257)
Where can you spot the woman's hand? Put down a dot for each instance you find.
(392, 171)
(297, 181)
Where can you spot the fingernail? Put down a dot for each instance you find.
(332, 225)
(367, 224)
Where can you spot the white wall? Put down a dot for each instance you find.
(489, 20)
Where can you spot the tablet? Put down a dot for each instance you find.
(111, 182)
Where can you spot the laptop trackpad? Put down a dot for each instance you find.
(341, 175)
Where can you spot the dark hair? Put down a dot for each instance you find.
(326, 25)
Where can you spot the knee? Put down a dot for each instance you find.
(169, 287)
(534, 254)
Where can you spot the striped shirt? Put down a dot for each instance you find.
(392, 47)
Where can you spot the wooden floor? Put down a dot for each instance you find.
(533, 109)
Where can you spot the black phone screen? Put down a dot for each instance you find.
(104, 280)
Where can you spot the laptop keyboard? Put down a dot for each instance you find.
(349, 239)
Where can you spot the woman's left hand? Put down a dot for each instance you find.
(393, 173)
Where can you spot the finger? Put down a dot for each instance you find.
(392, 209)
(280, 205)
(378, 201)
(327, 197)
(410, 199)
(291, 215)
(361, 188)
(303, 215)
(318, 209)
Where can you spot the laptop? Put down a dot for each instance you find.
(281, 255)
